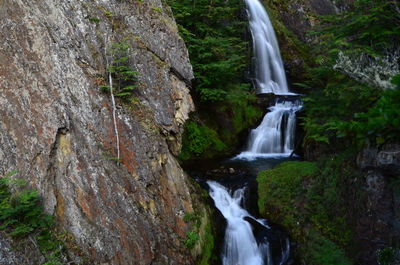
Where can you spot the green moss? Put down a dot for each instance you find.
(279, 190)
(324, 252)
(200, 141)
(207, 253)
(307, 198)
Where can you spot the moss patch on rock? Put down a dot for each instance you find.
(305, 198)
(218, 131)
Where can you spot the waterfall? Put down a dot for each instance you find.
(275, 135)
(269, 72)
(240, 246)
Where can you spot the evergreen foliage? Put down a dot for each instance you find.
(379, 123)
(213, 33)
(338, 101)
(350, 110)
(22, 216)
(122, 72)
(344, 107)
(371, 26)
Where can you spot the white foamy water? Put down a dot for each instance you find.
(269, 72)
(240, 246)
(275, 135)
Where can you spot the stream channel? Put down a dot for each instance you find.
(231, 183)
(248, 240)
(243, 237)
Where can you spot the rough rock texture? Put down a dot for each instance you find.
(292, 20)
(56, 125)
(378, 218)
(300, 16)
(7, 256)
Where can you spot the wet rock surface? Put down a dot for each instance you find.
(56, 126)
(378, 218)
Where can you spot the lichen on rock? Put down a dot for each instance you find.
(56, 125)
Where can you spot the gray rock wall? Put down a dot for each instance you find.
(377, 213)
(56, 125)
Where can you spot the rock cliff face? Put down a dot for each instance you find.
(292, 20)
(377, 214)
(56, 126)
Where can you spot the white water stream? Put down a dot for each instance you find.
(269, 72)
(240, 246)
(273, 137)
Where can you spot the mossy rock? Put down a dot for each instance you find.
(281, 190)
(290, 195)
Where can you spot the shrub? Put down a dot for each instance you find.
(22, 216)
(199, 140)
(124, 76)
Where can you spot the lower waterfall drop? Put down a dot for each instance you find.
(240, 246)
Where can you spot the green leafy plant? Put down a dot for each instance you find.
(199, 140)
(190, 217)
(191, 240)
(21, 211)
(369, 25)
(94, 19)
(386, 256)
(124, 76)
(379, 124)
(22, 216)
(337, 102)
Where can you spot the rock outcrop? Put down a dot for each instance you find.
(56, 126)
(377, 215)
(292, 21)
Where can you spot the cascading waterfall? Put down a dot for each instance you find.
(275, 135)
(240, 246)
(269, 72)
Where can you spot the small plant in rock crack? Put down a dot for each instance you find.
(122, 72)
(191, 240)
(22, 217)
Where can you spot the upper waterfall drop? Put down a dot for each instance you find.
(269, 72)
(275, 136)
